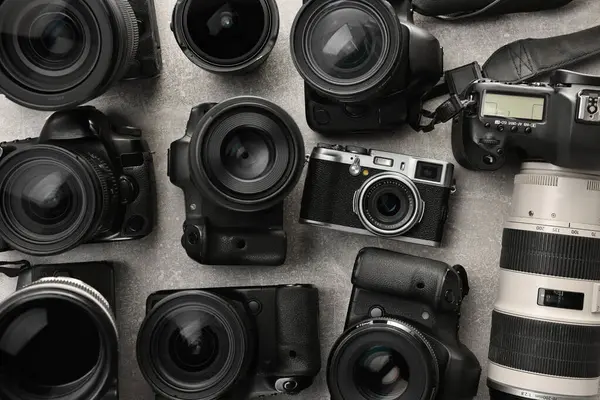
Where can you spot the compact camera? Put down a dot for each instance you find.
(236, 163)
(57, 54)
(58, 335)
(365, 64)
(556, 123)
(230, 343)
(401, 338)
(375, 192)
(83, 180)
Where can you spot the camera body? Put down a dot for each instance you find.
(407, 288)
(148, 60)
(284, 322)
(115, 150)
(218, 235)
(98, 275)
(556, 122)
(419, 67)
(338, 176)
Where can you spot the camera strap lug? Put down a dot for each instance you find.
(444, 113)
(12, 269)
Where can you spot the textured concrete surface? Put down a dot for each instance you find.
(315, 256)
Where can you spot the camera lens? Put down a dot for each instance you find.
(382, 359)
(53, 200)
(247, 154)
(226, 36)
(58, 54)
(346, 48)
(58, 340)
(544, 340)
(389, 204)
(193, 345)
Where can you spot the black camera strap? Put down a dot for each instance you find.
(12, 269)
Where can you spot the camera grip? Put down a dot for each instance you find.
(421, 279)
(140, 212)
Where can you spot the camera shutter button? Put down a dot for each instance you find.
(355, 167)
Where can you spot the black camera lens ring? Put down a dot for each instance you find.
(91, 190)
(214, 191)
(115, 33)
(239, 65)
(362, 90)
(395, 334)
(72, 291)
(239, 355)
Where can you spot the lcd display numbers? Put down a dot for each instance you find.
(511, 106)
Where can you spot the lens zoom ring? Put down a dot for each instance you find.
(551, 254)
(133, 35)
(544, 347)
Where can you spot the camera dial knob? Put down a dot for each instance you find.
(355, 167)
(286, 385)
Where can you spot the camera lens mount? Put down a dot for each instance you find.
(388, 204)
(58, 54)
(247, 154)
(58, 340)
(193, 345)
(226, 36)
(382, 359)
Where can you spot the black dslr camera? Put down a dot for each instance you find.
(401, 338)
(556, 123)
(373, 192)
(236, 163)
(230, 343)
(57, 54)
(83, 180)
(58, 335)
(366, 66)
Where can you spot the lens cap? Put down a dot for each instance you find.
(226, 36)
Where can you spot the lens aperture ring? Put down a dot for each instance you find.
(550, 254)
(545, 347)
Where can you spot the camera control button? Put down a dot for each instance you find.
(500, 128)
(592, 109)
(528, 129)
(376, 312)
(254, 307)
(514, 129)
(357, 150)
(321, 116)
(489, 159)
(385, 162)
(450, 296)
(487, 125)
(128, 190)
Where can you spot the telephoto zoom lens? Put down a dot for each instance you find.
(56, 54)
(58, 340)
(226, 36)
(545, 338)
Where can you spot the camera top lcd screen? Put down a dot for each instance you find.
(510, 106)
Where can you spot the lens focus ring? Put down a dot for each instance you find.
(132, 31)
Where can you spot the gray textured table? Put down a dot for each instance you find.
(322, 257)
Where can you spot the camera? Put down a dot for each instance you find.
(58, 335)
(401, 333)
(546, 318)
(556, 123)
(230, 343)
(58, 54)
(365, 64)
(226, 36)
(82, 180)
(373, 192)
(236, 163)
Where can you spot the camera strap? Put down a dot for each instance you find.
(12, 269)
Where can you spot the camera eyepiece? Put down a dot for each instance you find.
(226, 36)
(58, 54)
(193, 345)
(58, 340)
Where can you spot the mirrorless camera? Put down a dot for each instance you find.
(58, 335)
(365, 64)
(230, 343)
(83, 180)
(401, 339)
(57, 54)
(373, 192)
(236, 163)
(556, 122)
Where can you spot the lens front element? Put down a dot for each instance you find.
(382, 373)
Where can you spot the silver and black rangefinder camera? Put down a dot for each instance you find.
(373, 192)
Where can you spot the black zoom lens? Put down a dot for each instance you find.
(226, 36)
(58, 54)
(56, 342)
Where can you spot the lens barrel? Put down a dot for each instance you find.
(58, 340)
(545, 326)
(226, 36)
(247, 154)
(58, 54)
